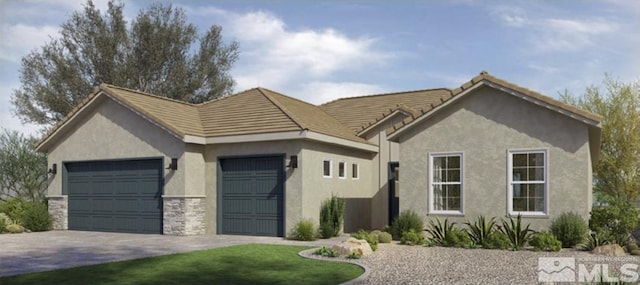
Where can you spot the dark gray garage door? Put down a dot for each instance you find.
(252, 196)
(115, 196)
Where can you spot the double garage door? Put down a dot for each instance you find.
(115, 196)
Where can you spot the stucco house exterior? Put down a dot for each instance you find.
(256, 162)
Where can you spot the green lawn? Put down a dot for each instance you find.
(243, 264)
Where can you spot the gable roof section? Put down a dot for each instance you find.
(359, 113)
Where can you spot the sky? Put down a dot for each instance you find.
(318, 51)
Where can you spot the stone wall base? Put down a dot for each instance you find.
(183, 215)
(59, 210)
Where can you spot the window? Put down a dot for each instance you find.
(326, 171)
(355, 171)
(342, 171)
(445, 183)
(527, 182)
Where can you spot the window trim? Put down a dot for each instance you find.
(430, 183)
(357, 172)
(344, 167)
(510, 211)
(330, 168)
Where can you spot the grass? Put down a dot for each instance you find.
(242, 264)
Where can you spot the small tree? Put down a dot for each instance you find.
(23, 171)
(616, 221)
(331, 216)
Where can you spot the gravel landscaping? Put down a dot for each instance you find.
(400, 264)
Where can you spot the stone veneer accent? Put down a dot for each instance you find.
(183, 215)
(59, 210)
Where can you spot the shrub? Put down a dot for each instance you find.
(14, 228)
(481, 229)
(14, 208)
(412, 237)
(545, 241)
(353, 255)
(406, 221)
(324, 251)
(594, 240)
(517, 234)
(439, 231)
(496, 240)
(384, 237)
(632, 246)
(387, 229)
(36, 217)
(3, 224)
(615, 221)
(331, 216)
(372, 240)
(458, 238)
(570, 228)
(635, 252)
(304, 230)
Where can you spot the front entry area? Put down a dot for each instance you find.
(251, 195)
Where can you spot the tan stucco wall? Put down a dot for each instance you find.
(484, 126)
(110, 131)
(389, 151)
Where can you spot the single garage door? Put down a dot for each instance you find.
(252, 196)
(115, 196)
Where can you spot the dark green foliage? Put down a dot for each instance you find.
(412, 237)
(14, 208)
(406, 221)
(635, 252)
(615, 221)
(23, 171)
(496, 240)
(158, 52)
(3, 224)
(481, 229)
(545, 241)
(570, 228)
(439, 231)
(304, 230)
(458, 238)
(331, 217)
(324, 251)
(631, 247)
(594, 240)
(372, 239)
(517, 234)
(36, 217)
(353, 255)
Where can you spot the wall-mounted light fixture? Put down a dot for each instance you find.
(53, 170)
(293, 162)
(173, 165)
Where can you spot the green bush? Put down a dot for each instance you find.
(36, 217)
(14, 208)
(635, 252)
(384, 237)
(481, 229)
(631, 247)
(304, 230)
(615, 221)
(14, 228)
(517, 234)
(406, 221)
(353, 255)
(496, 240)
(545, 241)
(371, 239)
(440, 231)
(331, 216)
(3, 224)
(458, 238)
(594, 240)
(570, 228)
(412, 237)
(324, 251)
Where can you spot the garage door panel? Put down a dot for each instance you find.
(238, 206)
(267, 227)
(115, 196)
(267, 206)
(235, 225)
(237, 186)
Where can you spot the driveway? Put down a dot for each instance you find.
(32, 252)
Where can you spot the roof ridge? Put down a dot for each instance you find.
(147, 94)
(386, 94)
(281, 106)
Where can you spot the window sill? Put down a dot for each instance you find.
(446, 213)
(538, 215)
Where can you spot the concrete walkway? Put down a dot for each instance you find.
(32, 252)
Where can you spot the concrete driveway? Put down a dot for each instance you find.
(32, 252)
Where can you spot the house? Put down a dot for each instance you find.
(256, 162)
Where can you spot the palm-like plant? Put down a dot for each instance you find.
(439, 231)
(481, 229)
(517, 234)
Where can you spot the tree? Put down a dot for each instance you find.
(159, 53)
(23, 171)
(617, 173)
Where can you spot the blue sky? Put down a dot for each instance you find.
(321, 50)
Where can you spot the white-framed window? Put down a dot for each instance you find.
(327, 168)
(446, 183)
(527, 175)
(355, 171)
(342, 170)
